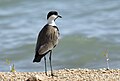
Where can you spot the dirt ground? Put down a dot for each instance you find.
(64, 75)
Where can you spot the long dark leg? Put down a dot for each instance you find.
(50, 63)
(45, 65)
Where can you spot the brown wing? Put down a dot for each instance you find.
(47, 39)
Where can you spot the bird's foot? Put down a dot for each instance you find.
(46, 73)
(53, 75)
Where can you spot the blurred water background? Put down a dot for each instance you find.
(88, 28)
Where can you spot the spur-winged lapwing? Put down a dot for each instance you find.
(47, 39)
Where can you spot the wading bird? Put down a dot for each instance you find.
(47, 39)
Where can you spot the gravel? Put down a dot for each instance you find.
(64, 75)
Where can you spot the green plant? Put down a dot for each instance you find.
(8, 62)
(12, 68)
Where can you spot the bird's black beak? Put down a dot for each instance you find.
(59, 16)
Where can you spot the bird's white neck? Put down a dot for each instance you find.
(51, 22)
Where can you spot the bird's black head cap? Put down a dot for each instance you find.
(53, 13)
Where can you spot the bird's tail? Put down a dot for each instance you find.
(37, 57)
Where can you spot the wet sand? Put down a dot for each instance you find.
(64, 75)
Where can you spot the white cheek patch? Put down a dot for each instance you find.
(52, 17)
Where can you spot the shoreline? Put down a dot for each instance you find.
(64, 75)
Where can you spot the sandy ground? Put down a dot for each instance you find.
(64, 75)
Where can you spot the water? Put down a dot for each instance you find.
(88, 28)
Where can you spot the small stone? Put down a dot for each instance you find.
(35, 78)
